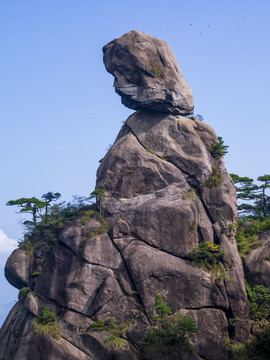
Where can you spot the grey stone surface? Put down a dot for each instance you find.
(147, 74)
(257, 263)
(180, 283)
(213, 327)
(17, 269)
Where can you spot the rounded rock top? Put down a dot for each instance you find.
(147, 75)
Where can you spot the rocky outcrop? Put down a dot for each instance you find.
(166, 194)
(17, 269)
(147, 74)
(148, 194)
(257, 263)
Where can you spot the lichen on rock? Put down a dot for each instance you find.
(147, 74)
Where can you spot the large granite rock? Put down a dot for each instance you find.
(147, 74)
(257, 263)
(159, 206)
(17, 269)
(158, 210)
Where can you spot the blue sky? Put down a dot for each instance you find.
(58, 109)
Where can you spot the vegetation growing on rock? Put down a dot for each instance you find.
(24, 292)
(45, 228)
(115, 339)
(157, 70)
(254, 220)
(206, 255)
(147, 252)
(258, 344)
(214, 180)
(190, 195)
(254, 212)
(46, 324)
(169, 331)
(218, 150)
(254, 200)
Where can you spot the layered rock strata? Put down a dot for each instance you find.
(163, 199)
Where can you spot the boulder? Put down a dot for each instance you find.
(257, 263)
(17, 269)
(147, 74)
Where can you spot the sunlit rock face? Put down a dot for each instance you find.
(166, 193)
(147, 74)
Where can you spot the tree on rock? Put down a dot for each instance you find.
(99, 195)
(254, 199)
(49, 197)
(219, 150)
(263, 200)
(29, 205)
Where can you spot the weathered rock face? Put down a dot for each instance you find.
(149, 209)
(147, 74)
(257, 264)
(160, 204)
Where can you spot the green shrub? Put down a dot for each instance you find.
(23, 293)
(47, 317)
(190, 195)
(214, 180)
(258, 345)
(259, 306)
(92, 214)
(88, 215)
(247, 234)
(98, 325)
(264, 225)
(46, 324)
(157, 70)
(161, 308)
(46, 231)
(169, 329)
(102, 229)
(113, 341)
(218, 150)
(27, 245)
(117, 331)
(206, 255)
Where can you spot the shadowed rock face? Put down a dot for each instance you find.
(159, 208)
(257, 264)
(147, 74)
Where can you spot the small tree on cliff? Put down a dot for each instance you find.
(218, 150)
(49, 197)
(99, 195)
(29, 205)
(254, 198)
(263, 200)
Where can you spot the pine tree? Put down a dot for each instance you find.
(254, 200)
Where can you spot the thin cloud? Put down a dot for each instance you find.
(6, 244)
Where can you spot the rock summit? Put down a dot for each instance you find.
(147, 75)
